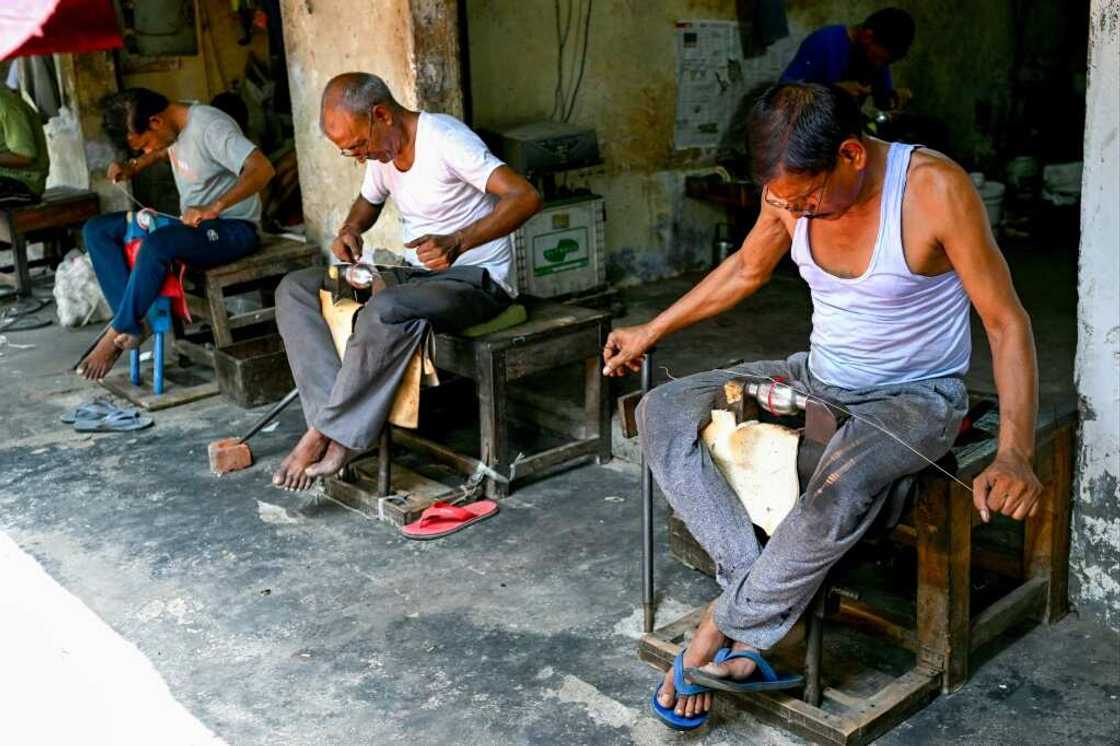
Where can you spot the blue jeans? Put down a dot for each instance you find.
(131, 294)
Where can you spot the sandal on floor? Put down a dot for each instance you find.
(97, 409)
(121, 421)
(763, 679)
(443, 518)
(668, 715)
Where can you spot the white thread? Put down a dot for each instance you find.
(853, 415)
(139, 204)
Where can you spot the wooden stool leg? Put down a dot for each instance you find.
(219, 318)
(814, 646)
(1046, 549)
(492, 416)
(21, 268)
(597, 409)
(944, 525)
(384, 464)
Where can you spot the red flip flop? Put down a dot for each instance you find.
(443, 518)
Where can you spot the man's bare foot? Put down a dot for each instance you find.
(706, 641)
(125, 341)
(739, 669)
(332, 462)
(310, 448)
(101, 359)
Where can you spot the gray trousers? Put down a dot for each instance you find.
(765, 590)
(349, 400)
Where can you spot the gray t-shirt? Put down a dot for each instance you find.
(206, 160)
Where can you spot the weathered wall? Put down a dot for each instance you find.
(1095, 560)
(961, 57)
(411, 44)
(220, 59)
(85, 79)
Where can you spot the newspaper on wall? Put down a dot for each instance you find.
(713, 77)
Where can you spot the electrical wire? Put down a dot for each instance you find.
(563, 30)
(582, 63)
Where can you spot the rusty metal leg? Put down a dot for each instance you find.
(647, 514)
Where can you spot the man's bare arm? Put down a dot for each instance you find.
(1009, 485)
(121, 171)
(256, 172)
(347, 245)
(741, 275)
(517, 202)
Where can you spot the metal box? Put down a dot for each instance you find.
(542, 147)
(561, 249)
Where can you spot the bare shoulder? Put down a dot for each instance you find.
(935, 177)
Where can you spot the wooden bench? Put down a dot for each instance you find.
(1026, 562)
(62, 210)
(553, 336)
(207, 290)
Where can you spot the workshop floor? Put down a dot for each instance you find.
(274, 627)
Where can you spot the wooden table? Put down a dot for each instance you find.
(62, 210)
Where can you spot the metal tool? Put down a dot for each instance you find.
(270, 415)
(647, 512)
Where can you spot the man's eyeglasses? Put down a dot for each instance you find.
(813, 212)
(359, 152)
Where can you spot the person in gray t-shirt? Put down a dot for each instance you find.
(219, 174)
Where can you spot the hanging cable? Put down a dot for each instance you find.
(582, 63)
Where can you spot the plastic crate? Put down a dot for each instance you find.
(560, 250)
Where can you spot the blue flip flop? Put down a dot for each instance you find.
(98, 409)
(763, 679)
(667, 714)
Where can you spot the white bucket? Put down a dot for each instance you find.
(992, 193)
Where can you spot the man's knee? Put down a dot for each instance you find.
(98, 230)
(662, 419)
(391, 305)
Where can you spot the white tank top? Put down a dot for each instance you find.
(888, 325)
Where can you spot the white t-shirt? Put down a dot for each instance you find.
(444, 191)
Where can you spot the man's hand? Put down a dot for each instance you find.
(347, 245)
(119, 172)
(1007, 486)
(625, 349)
(437, 253)
(193, 216)
(854, 88)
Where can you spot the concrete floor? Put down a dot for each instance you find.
(315, 627)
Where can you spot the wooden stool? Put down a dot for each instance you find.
(554, 335)
(61, 210)
(207, 290)
(951, 544)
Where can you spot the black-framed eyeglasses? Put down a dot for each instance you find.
(814, 212)
(353, 152)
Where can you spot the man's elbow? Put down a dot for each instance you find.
(1010, 323)
(533, 202)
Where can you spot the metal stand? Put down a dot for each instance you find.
(647, 512)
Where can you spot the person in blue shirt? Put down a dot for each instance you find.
(857, 59)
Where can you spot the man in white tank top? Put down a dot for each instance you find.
(895, 246)
(458, 206)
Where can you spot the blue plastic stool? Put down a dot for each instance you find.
(159, 318)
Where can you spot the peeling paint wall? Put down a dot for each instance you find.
(1095, 550)
(412, 44)
(629, 96)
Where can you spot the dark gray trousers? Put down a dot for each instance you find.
(349, 400)
(765, 590)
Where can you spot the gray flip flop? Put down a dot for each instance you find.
(97, 409)
(121, 421)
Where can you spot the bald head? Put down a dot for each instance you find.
(355, 95)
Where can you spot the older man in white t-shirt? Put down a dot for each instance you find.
(458, 205)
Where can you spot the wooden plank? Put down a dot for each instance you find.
(411, 440)
(1022, 602)
(597, 398)
(570, 346)
(1046, 550)
(252, 317)
(172, 396)
(560, 455)
(890, 706)
(864, 617)
(492, 403)
(54, 212)
(196, 353)
(627, 408)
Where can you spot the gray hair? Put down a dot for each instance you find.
(356, 94)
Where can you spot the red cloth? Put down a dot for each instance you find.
(35, 27)
(172, 285)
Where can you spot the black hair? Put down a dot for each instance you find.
(798, 127)
(893, 29)
(127, 112)
(233, 105)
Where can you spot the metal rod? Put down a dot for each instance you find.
(814, 646)
(384, 476)
(271, 414)
(157, 365)
(647, 512)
